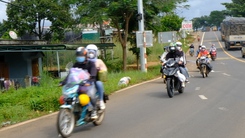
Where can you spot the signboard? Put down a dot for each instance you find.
(187, 25)
(144, 38)
(167, 37)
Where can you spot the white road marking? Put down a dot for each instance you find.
(223, 109)
(203, 97)
(226, 74)
(197, 88)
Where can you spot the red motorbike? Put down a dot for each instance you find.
(213, 54)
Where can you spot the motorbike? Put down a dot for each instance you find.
(191, 52)
(172, 81)
(203, 67)
(75, 109)
(213, 54)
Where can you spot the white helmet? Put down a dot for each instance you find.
(92, 51)
(92, 47)
(178, 44)
(203, 47)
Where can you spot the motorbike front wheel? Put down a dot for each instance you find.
(170, 88)
(65, 122)
(100, 118)
(203, 71)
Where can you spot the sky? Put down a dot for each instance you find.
(200, 8)
(197, 8)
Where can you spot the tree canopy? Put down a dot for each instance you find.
(29, 17)
(236, 8)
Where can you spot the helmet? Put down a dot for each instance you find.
(83, 99)
(200, 46)
(81, 54)
(81, 51)
(178, 44)
(171, 44)
(203, 47)
(92, 47)
(92, 51)
(172, 49)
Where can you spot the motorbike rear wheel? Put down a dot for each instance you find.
(65, 122)
(170, 88)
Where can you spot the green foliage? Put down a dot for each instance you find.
(214, 19)
(3, 29)
(114, 65)
(6, 36)
(171, 22)
(30, 16)
(235, 8)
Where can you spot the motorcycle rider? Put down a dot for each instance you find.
(163, 56)
(212, 48)
(197, 52)
(204, 52)
(166, 50)
(100, 66)
(83, 63)
(174, 53)
(183, 68)
(191, 46)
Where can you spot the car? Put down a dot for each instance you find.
(243, 51)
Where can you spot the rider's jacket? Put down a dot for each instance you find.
(212, 48)
(88, 66)
(203, 53)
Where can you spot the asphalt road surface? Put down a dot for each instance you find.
(211, 107)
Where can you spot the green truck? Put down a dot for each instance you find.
(233, 32)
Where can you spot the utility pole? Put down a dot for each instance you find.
(143, 59)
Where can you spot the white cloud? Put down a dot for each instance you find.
(200, 8)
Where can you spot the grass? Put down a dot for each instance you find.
(35, 101)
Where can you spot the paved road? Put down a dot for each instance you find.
(210, 107)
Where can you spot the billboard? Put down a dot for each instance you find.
(187, 25)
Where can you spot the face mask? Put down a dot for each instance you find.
(91, 55)
(80, 59)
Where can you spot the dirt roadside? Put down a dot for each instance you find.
(191, 61)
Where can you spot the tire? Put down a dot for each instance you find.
(65, 122)
(243, 56)
(203, 71)
(227, 46)
(170, 88)
(181, 89)
(100, 118)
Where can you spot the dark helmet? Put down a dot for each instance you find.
(81, 51)
(172, 49)
(81, 54)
